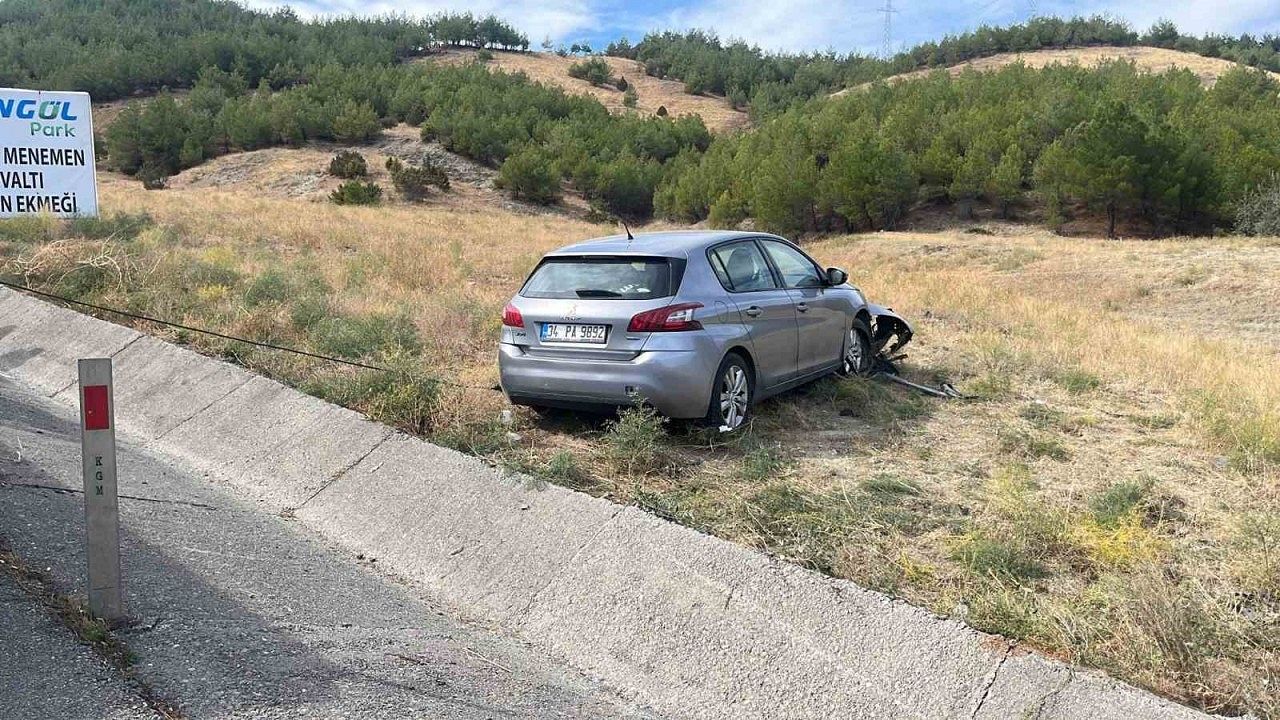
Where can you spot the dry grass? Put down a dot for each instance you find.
(551, 69)
(1149, 59)
(1112, 497)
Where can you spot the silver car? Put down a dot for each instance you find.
(698, 324)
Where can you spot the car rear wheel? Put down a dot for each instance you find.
(857, 359)
(731, 394)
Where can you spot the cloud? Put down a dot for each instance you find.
(802, 25)
(847, 25)
(1195, 17)
(808, 25)
(536, 18)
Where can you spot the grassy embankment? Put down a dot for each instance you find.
(1110, 496)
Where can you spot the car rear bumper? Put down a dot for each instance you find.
(675, 382)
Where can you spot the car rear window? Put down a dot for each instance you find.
(607, 278)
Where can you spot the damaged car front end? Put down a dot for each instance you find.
(890, 332)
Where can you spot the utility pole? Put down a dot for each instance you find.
(888, 11)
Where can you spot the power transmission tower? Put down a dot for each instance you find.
(1031, 9)
(888, 11)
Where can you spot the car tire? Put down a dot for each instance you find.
(733, 389)
(856, 358)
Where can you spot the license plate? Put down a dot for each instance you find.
(567, 333)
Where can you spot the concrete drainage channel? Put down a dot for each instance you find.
(692, 625)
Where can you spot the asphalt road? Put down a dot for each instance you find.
(237, 613)
(45, 673)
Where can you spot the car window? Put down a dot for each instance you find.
(798, 271)
(741, 267)
(596, 277)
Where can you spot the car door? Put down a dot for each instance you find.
(820, 316)
(766, 308)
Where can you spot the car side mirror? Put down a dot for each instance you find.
(836, 276)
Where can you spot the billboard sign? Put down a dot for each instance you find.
(46, 154)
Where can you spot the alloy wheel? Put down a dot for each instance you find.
(855, 358)
(735, 394)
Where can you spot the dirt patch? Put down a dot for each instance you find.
(1149, 59)
(652, 92)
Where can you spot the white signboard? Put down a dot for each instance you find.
(46, 154)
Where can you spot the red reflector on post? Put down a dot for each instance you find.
(97, 412)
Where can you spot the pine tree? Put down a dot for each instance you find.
(356, 123)
(1005, 184)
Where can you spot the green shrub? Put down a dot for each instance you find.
(636, 442)
(594, 70)
(563, 467)
(1078, 382)
(348, 164)
(1032, 445)
(355, 192)
(197, 273)
(625, 186)
(406, 397)
(529, 174)
(365, 335)
(762, 462)
(630, 97)
(307, 311)
(118, 226)
(414, 183)
(484, 55)
(153, 177)
(270, 287)
(30, 229)
(985, 556)
(357, 122)
(889, 486)
(1119, 500)
(1258, 212)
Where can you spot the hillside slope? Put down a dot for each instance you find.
(302, 173)
(551, 69)
(1150, 59)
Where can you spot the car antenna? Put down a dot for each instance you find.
(630, 237)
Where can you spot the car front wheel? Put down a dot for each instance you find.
(857, 359)
(731, 395)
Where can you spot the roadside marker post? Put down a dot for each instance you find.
(101, 504)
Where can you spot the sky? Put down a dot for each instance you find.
(807, 25)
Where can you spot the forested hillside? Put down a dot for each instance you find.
(538, 135)
(263, 79)
(113, 48)
(1158, 148)
(771, 82)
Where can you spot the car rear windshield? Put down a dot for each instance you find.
(599, 277)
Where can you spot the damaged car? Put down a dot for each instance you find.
(698, 324)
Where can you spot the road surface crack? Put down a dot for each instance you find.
(991, 681)
(138, 498)
(208, 405)
(289, 512)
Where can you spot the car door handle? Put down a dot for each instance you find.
(753, 311)
(802, 307)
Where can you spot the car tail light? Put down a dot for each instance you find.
(511, 317)
(672, 318)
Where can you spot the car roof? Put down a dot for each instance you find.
(669, 243)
